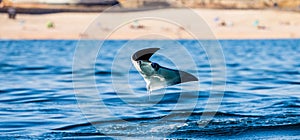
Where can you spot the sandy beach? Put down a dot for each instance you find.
(224, 24)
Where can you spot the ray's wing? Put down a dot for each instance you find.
(144, 54)
(174, 77)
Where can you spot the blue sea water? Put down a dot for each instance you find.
(261, 99)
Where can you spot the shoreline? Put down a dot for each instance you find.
(224, 24)
(70, 39)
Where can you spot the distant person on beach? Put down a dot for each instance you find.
(50, 25)
(137, 25)
(11, 13)
(216, 19)
(256, 23)
(258, 26)
(222, 23)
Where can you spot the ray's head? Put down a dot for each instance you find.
(147, 68)
(141, 61)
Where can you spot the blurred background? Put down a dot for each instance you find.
(228, 19)
(42, 6)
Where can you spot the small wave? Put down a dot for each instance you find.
(261, 88)
(72, 135)
(288, 104)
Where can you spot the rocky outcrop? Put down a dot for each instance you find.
(88, 2)
(236, 4)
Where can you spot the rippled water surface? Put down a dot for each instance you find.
(37, 99)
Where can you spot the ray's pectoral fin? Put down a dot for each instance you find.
(144, 54)
(186, 77)
(174, 77)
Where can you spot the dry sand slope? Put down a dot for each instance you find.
(224, 24)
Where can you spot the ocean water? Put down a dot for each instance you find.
(37, 98)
